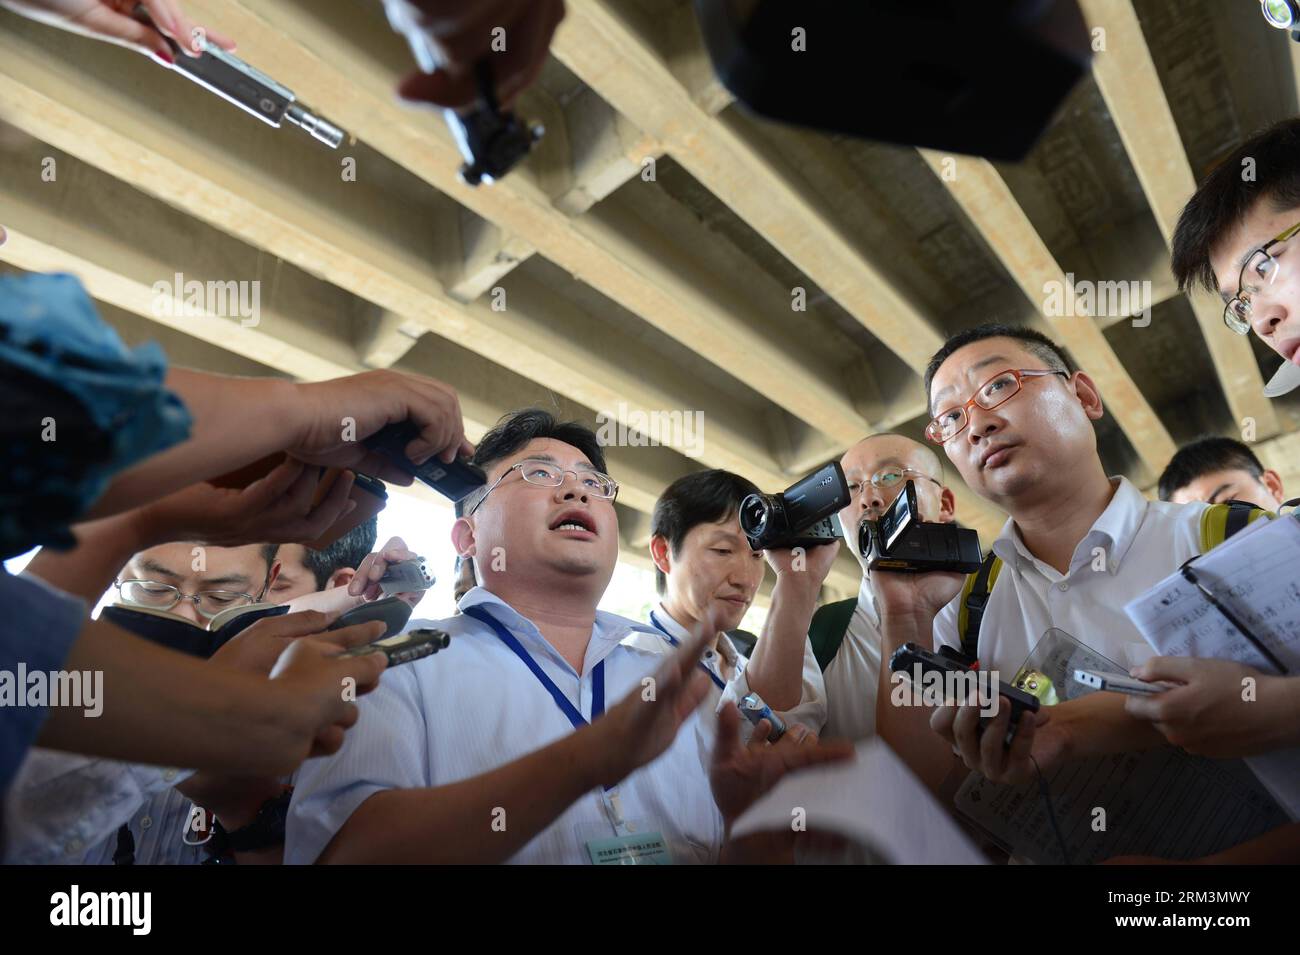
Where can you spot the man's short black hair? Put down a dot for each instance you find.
(516, 429)
(1205, 456)
(268, 553)
(1223, 200)
(705, 497)
(1042, 347)
(348, 551)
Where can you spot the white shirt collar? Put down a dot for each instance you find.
(607, 632)
(1114, 532)
(867, 601)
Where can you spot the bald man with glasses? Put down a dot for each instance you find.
(846, 635)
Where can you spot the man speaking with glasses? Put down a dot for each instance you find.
(846, 635)
(538, 735)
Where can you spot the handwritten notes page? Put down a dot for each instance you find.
(1162, 802)
(1256, 575)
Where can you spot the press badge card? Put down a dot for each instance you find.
(646, 848)
(621, 841)
(635, 843)
(1161, 802)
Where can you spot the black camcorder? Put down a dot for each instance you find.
(901, 541)
(803, 515)
(956, 65)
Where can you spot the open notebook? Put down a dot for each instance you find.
(180, 633)
(1255, 576)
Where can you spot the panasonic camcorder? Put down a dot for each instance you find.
(901, 541)
(803, 515)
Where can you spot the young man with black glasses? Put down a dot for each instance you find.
(198, 582)
(1237, 237)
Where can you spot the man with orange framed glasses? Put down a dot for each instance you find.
(1079, 545)
(1237, 236)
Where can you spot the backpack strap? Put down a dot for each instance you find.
(1221, 521)
(974, 598)
(827, 629)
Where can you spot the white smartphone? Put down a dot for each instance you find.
(1119, 683)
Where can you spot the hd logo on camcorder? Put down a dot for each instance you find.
(74, 908)
(632, 427)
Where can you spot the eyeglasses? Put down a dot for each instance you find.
(886, 478)
(160, 596)
(548, 474)
(1000, 388)
(1263, 265)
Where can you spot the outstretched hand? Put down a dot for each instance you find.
(741, 773)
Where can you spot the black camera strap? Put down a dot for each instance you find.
(979, 585)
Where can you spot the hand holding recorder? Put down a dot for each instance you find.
(1219, 708)
(1002, 747)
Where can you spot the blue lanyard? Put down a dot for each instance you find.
(568, 709)
(654, 622)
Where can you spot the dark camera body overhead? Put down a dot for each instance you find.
(980, 78)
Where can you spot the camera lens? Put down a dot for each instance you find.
(866, 536)
(1279, 13)
(754, 511)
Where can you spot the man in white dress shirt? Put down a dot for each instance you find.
(1016, 420)
(706, 571)
(496, 749)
